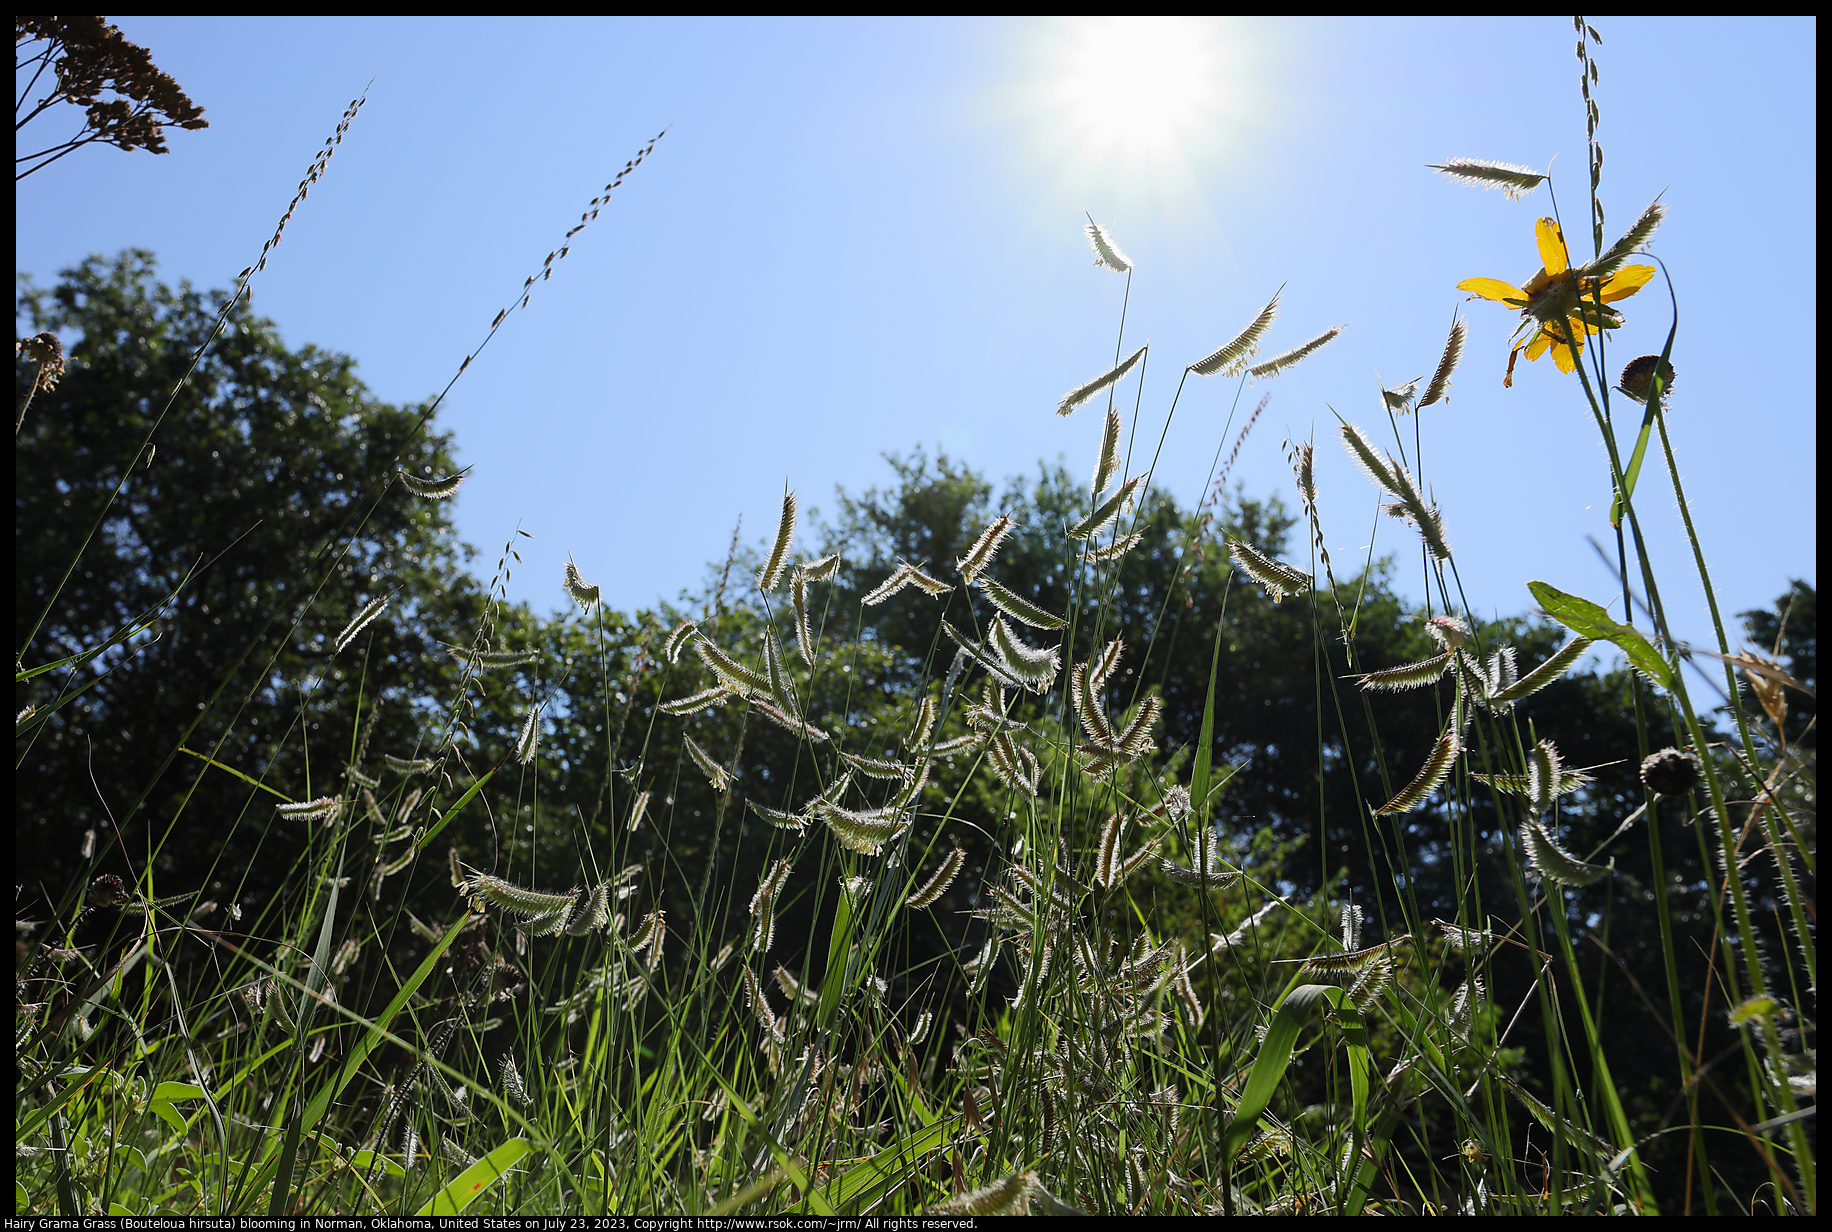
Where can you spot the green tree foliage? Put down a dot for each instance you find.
(261, 517)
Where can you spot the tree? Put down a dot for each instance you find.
(262, 515)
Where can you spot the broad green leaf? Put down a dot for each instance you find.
(1586, 619)
(834, 987)
(475, 1179)
(1274, 1055)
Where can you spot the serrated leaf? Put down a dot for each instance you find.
(1586, 619)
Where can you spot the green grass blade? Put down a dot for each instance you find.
(433, 831)
(1274, 1056)
(475, 1179)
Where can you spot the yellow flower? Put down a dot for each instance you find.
(1560, 304)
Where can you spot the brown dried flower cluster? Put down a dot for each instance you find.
(92, 57)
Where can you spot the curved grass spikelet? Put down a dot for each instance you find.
(1447, 364)
(1399, 398)
(994, 666)
(1010, 1196)
(1087, 706)
(1632, 240)
(638, 808)
(1019, 609)
(492, 658)
(369, 612)
(1378, 469)
(1515, 182)
(677, 640)
(877, 767)
(1280, 579)
(324, 808)
(958, 745)
(938, 884)
(925, 724)
(1430, 776)
(512, 898)
(1544, 674)
(1136, 740)
(863, 832)
(1108, 464)
(1407, 675)
(1554, 863)
(417, 765)
(590, 912)
(1081, 393)
(1106, 252)
(789, 722)
(771, 574)
(1298, 354)
(1474, 942)
(717, 695)
(889, 586)
(714, 772)
(432, 489)
(1352, 919)
(782, 819)
(985, 547)
(822, 570)
(581, 591)
(927, 584)
(804, 634)
(1036, 667)
(737, 677)
(513, 1086)
(1116, 549)
(1105, 512)
(530, 739)
(1232, 357)
(1101, 668)
(763, 904)
(1107, 863)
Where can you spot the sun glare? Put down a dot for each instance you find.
(1135, 94)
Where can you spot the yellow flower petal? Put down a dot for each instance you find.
(1628, 280)
(1562, 356)
(1538, 346)
(1551, 247)
(1495, 289)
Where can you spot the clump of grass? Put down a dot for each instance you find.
(1073, 1045)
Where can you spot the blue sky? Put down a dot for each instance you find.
(859, 237)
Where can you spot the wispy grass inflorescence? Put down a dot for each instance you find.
(1430, 777)
(932, 889)
(984, 548)
(581, 591)
(1396, 479)
(1552, 862)
(773, 569)
(1081, 393)
(715, 773)
(1633, 240)
(432, 489)
(763, 905)
(1104, 513)
(1019, 609)
(1232, 358)
(1106, 252)
(530, 738)
(369, 612)
(1108, 463)
(324, 808)
(1439, 387)
(1514, 181)
(1298, 354)
(1280, 579)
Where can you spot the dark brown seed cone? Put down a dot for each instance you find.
(1638, 377)
(107, 891)
(1670, 772)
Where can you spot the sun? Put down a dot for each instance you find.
(1139, 96)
